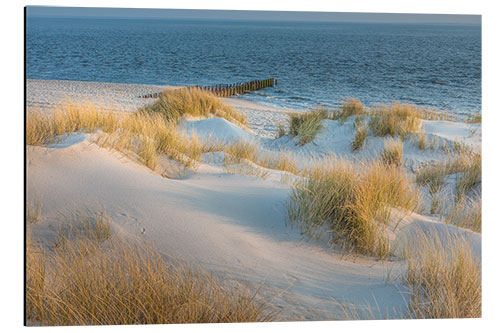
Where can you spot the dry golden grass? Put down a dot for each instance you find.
(470, 177)
(421, 141)
(176, 103)
(240, 155)
(474, 118)
(396, 120)
(360, 136)
(306, 125)
(145, 137)
(46, 127)
(242, 150)
(282, 160)
(466, 165)
(392, 153)
(234, 165)
(445, 281)
(466, 213)
(90, 280)
(281, 131)
(350, 107)
(352, 202)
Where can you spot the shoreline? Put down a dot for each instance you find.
(45, 94)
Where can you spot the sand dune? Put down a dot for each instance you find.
(229, 224)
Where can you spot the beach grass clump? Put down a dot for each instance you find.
(47, 127)
(396, 120)
(466, 165)
(143, 136)
(350, 107)
(115, 282)
(282, 160)
(306, 125)
(352, 203)
(234, 165)
(147, 137)
(84, 226)
(360, 135)
(242, 150)
(444, 280)
(434, 175)
(421, 141)
(392, 153)
(475, 118)
(466, 213)
(469, 178)
(176, 103)
(281, 131)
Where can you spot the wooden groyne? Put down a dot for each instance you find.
(226, 90)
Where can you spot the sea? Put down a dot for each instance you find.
(317, 64)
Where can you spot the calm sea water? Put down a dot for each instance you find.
(316, 63)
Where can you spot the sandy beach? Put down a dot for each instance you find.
(232, 224)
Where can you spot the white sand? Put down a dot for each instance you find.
(122, 96)
(230, 224)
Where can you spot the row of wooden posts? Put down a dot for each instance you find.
(226, 90)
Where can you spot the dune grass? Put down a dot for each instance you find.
(176, 103)
(469, 178)
(421, 141)
(306, 125)
(281, 131)
(43, 127)
(281, 160)
(465, 213)
(360, 136)
(91, 280)
(352, 203)
(142, 136)
(474, 118)
(466, 165)
(234, 165)
(350, 107)
(445, 282)
(395, 120)
(392, 153)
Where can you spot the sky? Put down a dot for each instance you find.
(33, 11)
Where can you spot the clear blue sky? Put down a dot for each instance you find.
(248, 15)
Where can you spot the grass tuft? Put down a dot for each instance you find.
(469, 178)
(445, 282)
(350, 107)
(352, 204)
(176, 103)
(421, 141)
(396, 120)
(306, 125)
(360, 136)
(114, 282)
(465, 213)
(392, 153)
(474, 118)
(281, 131)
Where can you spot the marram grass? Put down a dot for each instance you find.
(91, 280)
(352, 203)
